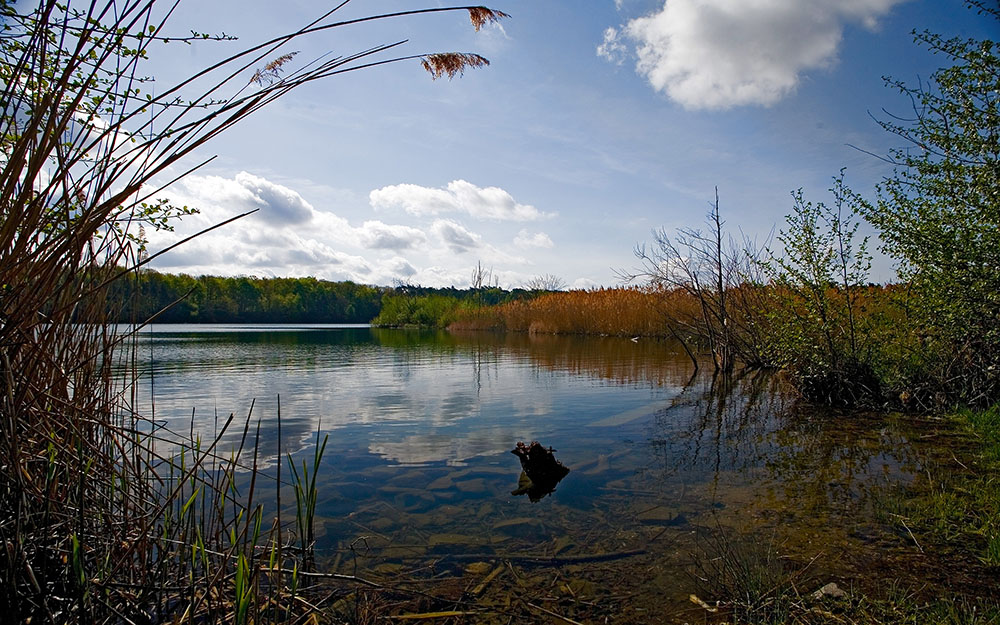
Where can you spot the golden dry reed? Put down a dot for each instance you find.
(632, 311)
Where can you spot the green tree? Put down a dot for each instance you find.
(939, 216)
(818, 330)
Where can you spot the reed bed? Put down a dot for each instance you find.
(627, 312)
(97, 523)
(838, 350)
(655, 312)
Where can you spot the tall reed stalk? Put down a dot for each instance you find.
(306, 497)
(97, 524)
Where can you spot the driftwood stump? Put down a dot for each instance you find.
(540, 471)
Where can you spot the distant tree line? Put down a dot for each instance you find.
(181, 298)
(213, 299)
(486, 295)
(410, 305)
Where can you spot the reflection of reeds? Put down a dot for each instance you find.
(661, 362)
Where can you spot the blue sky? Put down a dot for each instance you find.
(596, 122)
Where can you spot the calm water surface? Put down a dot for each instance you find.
(421, 424)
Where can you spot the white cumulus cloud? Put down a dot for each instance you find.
(378, 235)
(526, 240)
(455, 235)
(458, 197)
(277, 204)
(293, 236)
(717, 54)
(280, 205)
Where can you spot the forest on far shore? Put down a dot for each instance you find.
(181, 298)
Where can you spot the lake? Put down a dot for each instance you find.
(668, 466)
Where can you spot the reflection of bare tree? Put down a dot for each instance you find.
(717, 423)
(485, 359)
(746, 430)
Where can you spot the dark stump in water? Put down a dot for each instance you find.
(540, 471)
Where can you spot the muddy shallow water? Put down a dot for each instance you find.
(676, 477)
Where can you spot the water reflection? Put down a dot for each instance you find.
(415, 397)
(728, 419)
(421, 425)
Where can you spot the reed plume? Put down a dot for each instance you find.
(451, 64)
(480, 16)
(272, 71)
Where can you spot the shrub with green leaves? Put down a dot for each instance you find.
(939, 216)
(820, 284)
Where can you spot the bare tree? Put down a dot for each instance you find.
(483, 278)
(545, 282)
(712, 271)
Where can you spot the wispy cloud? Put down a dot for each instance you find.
(612, 47)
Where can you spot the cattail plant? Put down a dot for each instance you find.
(96, 523)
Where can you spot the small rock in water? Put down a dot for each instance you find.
(479, 568)
(831, 590)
